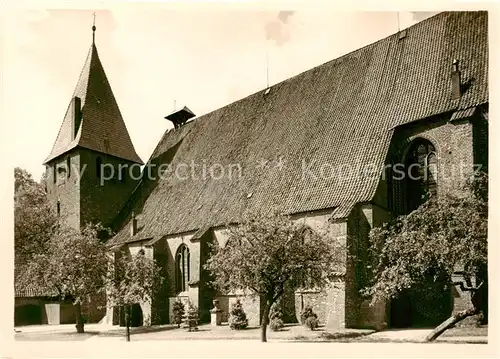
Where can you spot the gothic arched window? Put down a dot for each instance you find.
(182, 262)
(421, 181)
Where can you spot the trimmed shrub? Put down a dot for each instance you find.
(276, 317)
(308, 318)
(237, 317)
(190, 320)
(177, 312)
(312, 323)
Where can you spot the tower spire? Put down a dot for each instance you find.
(93, 29)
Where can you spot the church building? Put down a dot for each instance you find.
(322, 146)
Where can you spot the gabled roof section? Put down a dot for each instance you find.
(331, 126)
(102, 127)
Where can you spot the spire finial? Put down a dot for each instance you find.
(93, 29)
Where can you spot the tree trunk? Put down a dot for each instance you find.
(264, 321)
(78, 317)
(448, 323)
(127, 322)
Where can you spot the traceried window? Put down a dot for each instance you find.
(182, 262)
(421, 182)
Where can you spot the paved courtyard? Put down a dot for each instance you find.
(171, 332)
(101, 332)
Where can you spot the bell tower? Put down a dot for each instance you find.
(93, 167)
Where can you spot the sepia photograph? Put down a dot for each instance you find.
(248, 175)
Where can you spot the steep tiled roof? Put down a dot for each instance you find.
(102, 128)
(341, 113)
(31, 289)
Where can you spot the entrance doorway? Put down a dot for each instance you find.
(136, 316)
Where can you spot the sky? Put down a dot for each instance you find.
(157, 57)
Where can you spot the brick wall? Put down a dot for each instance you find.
(101, 200)
(358, 312)
(64, 188)
(52, 312)
(81, 196)
(454, 144)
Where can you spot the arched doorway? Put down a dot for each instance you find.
(136, 316)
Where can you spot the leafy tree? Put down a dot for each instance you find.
(266, 252)
(75, 265)
(178, 312)
(448, 233)
(132, 280)
(237, 317)
(34, 219)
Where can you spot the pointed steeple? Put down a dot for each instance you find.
(93, 119)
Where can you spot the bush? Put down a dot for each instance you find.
(276, 317)
(311, 323)
(237, 317)
(276, 325)
(190, 319)
(178, 312)
(308, 318)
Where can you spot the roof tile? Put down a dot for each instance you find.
(334, 117)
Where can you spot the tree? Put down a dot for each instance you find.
(132, 279)
(75, 264)
(445, 236)
(34, 220)
(266, 252)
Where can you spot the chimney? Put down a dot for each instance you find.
(456, 91)
(77, 115)
(133, 225)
